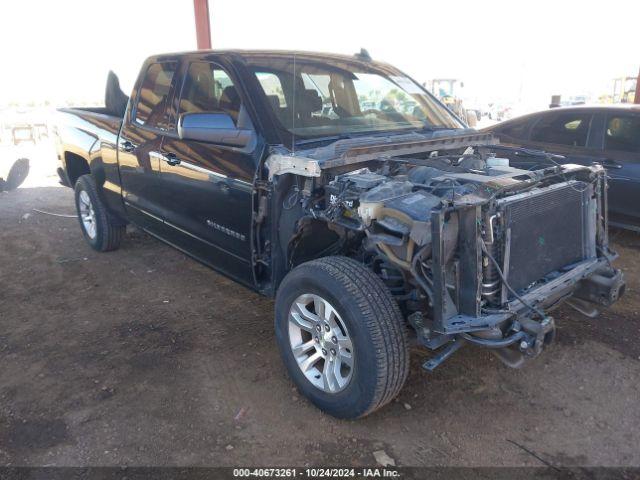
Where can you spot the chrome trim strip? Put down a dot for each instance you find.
(198, 168)
(144, 211)
(243, 260)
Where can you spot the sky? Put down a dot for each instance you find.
(523, 52)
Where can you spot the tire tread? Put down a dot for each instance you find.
(110, 230)
(382, 318)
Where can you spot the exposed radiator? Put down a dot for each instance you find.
(546, 231)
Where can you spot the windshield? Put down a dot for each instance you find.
(315, 98)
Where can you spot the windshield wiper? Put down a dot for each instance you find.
(434, 128)
(332, 138)
(373, 134)
(345, 136)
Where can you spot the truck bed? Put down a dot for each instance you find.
(80, 133)
(98, 116)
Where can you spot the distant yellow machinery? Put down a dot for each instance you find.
(624, 90)
(447, 90)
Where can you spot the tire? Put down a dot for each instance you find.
(102, 231)
(365, 314)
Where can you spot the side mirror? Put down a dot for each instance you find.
(212, 128)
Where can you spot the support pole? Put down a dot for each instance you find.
(203, 25)
(636, 98)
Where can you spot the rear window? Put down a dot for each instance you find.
(623, 134)
(562, 129)
(153, 96)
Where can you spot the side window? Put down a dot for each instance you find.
(623, 134)
(272, 88)
(153, 96)
(517, 130)
(562, 129)
(208, 88)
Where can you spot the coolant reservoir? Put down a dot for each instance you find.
(372, 201)
(368, 211)
(497, 162)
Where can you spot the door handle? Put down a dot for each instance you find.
(127, 146)
(171, 159)
(608, 163)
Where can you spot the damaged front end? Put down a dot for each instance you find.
(475, 251)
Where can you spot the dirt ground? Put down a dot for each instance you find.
(144, 357)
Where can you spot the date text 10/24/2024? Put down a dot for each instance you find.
(316, 473)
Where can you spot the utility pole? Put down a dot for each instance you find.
(203, 24)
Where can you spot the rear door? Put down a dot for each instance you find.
(140, 141)
(207, 188)
(621, 158)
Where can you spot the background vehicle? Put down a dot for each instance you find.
(607, 135)
(23, 133)
(366, 223)
(448, 91)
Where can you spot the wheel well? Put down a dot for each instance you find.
(75, 165)
(314, 239)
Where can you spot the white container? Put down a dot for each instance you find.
(497, 162)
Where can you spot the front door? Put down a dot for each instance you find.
(561, 133)
(206, 188)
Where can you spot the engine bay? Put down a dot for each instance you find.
(473, 249)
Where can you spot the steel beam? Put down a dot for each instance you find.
(203, 24)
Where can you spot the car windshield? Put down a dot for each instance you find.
(314, 98)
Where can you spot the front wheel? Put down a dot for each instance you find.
(102, 231)
(342, 336)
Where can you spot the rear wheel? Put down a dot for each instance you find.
(102, 231)
(342, 336)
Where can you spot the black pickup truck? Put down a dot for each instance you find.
(342, 188)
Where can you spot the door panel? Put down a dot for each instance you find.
(622, 161)
(207, 199)
(624, 184)
(140, 176)
(207, 189)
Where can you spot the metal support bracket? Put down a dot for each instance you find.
(281, 164)
(431, 364)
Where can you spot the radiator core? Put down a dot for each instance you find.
(547, 231)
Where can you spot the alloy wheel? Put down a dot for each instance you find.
(320, 343)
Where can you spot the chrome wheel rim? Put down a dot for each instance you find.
(320, 343)
(87, 214)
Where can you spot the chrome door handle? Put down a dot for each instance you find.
(171, 159)
(608, 163)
